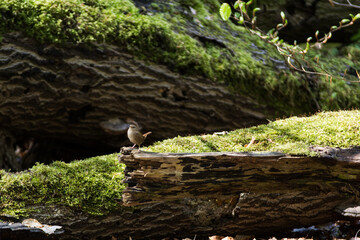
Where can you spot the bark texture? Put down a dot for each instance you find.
(78, 97)
(182, 195)
(249, 192)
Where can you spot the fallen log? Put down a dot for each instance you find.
(245, 192)
(214, 193)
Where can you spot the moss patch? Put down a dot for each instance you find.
(187, 36)
(91, 185)
(293, 136)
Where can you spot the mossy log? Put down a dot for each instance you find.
(65, 97)
(71, 97)
(224, 193)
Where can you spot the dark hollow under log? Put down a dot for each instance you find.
(8, 159)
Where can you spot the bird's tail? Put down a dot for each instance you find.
(146, 134)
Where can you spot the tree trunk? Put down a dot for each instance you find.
(183, 195)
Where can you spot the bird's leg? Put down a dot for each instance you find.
(133, 146)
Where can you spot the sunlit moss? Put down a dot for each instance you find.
(293, 136)
(92, 185)
(189, 37)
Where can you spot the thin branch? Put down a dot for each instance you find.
(344, 4)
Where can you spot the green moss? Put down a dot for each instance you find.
(352, 52)
(92, 185)
(181, 39)
(343, 89)
(293, 136)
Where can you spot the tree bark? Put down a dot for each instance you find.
(183, 195)
(248, 192)
(76, 97)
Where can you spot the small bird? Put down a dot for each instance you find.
(135, 136)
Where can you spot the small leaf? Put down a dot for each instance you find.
(242, 7)
(225, 11)
(317, 34)
(357, 16)
(241, 20)
(329, 36)
(333, 27)
(282, 14)
(308, 39)
(237, 15)
(279, 25)
(236, 5)
(344, 21)
(255, 10)
(249, 2)
(274, 40)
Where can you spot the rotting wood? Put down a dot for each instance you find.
(183, 195)
(158, 177)
(250, 192)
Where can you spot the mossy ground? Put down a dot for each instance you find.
(94, 184)
(163, 32)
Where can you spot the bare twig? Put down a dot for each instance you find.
(349, 4)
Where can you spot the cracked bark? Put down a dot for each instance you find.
(62, 96)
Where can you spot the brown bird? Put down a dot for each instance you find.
(135, 136)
